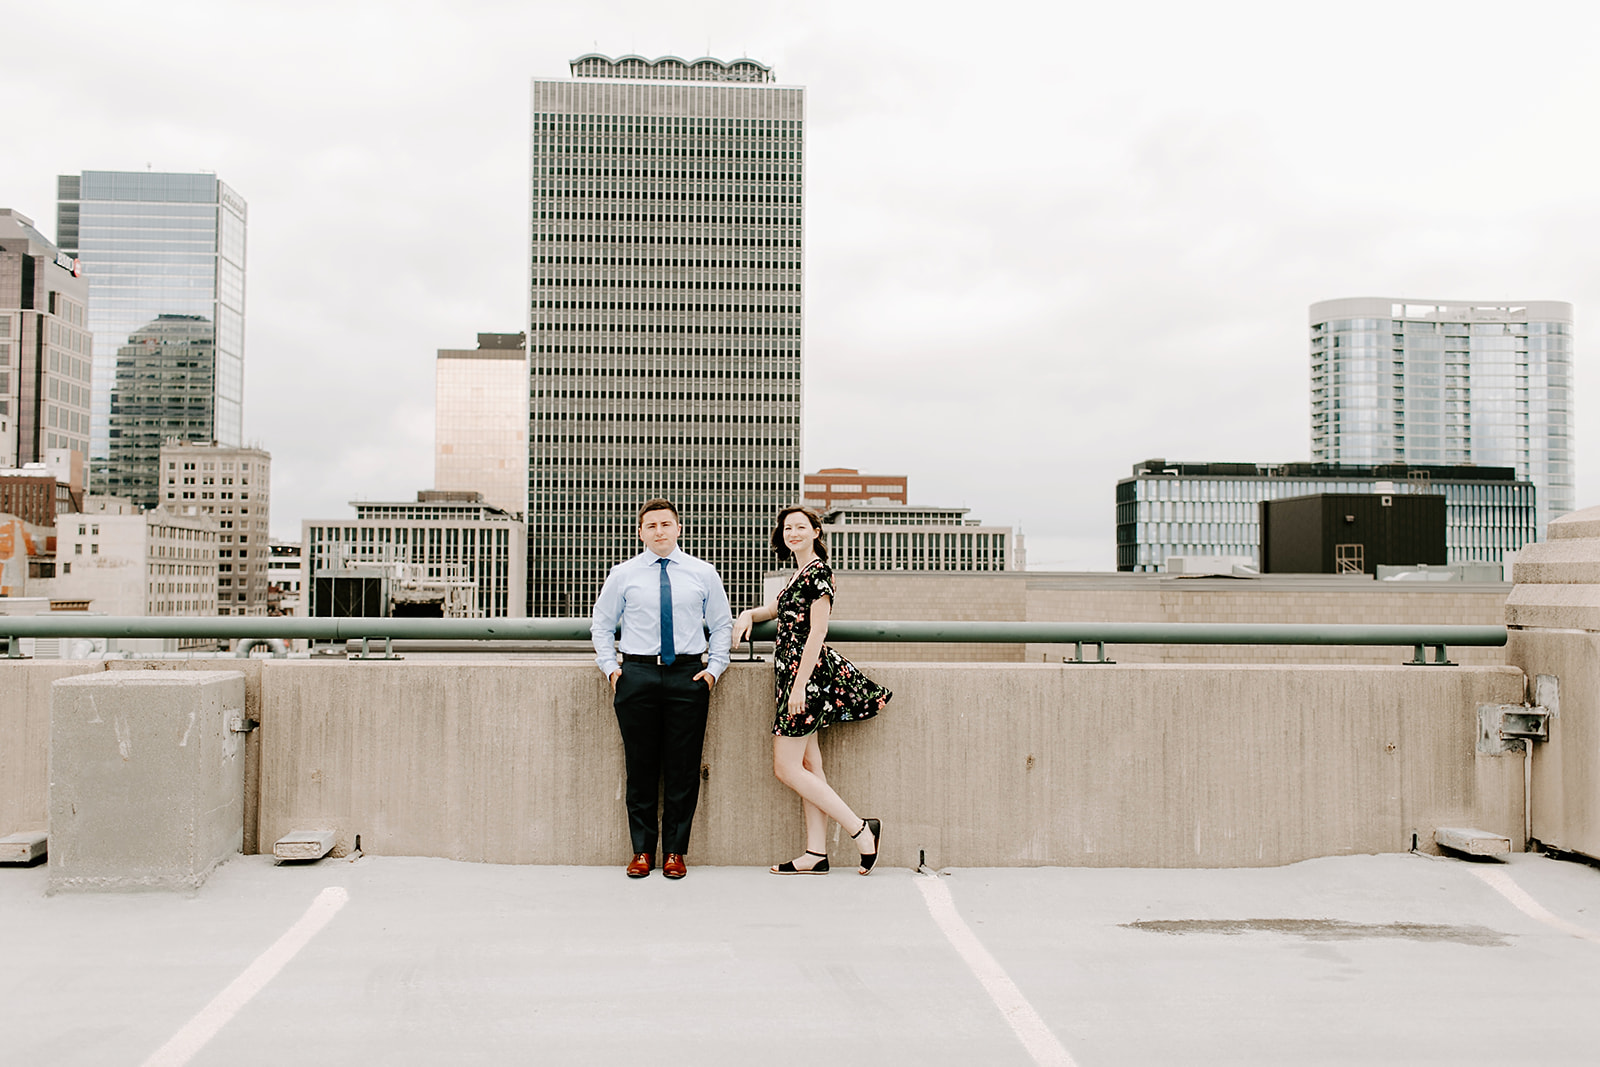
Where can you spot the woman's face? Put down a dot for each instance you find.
(798, 533)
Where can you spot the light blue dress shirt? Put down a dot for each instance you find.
(632, 596)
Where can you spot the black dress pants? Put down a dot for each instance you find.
(661, 712)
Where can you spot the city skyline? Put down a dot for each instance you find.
(1017, 284)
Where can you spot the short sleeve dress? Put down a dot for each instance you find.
(837, 690)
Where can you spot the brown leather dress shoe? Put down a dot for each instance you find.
(640, 865)
(673, 866)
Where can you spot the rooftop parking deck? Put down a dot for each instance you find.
(1365, 959)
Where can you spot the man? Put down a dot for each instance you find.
(666, 602)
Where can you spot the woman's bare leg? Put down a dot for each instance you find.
(816, 819)
(797, 762)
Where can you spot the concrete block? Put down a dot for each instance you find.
(1570, 562)
(23, 847)
(1576, 525)
(304, 845)
(1471, 842)
(146, 778)
(1554, 607)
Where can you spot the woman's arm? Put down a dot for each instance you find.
(820, 610)
(750, 616)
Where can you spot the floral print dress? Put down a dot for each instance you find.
(837, 690)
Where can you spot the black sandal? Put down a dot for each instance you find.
(869, 858)
(788, 867)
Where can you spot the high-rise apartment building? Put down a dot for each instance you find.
(480, 420)
(665, 316)
(234, 487)
(164, 255)
(45, 358)
(1447, 382)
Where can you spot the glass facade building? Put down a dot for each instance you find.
(1214, 509)
(1397, 381)
(664, 316)
(155, 246)
(165, 388)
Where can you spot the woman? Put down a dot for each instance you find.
(815, 687)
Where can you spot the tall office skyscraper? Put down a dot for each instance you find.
(1447, 382)
(44, 347)
(664, 327)
(160, 251)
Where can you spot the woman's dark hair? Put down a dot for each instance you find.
(816, 524)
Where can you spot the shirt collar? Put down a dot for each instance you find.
(678, 555)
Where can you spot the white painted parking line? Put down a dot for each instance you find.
(1499, 879)
(182, 1046)
(1014, 1007)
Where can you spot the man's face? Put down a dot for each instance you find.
(659, 531)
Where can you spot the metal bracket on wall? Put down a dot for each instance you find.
(1440, 658)
(367, 653)
(1502, 726)
(1077, 653)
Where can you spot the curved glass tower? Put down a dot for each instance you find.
(1447, 382)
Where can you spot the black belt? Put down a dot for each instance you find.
(696, 658)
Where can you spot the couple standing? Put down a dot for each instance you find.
(676, 631)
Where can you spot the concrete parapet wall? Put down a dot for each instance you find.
(1041, 597)
(1553, 623)
(975, 765)
(25, 739)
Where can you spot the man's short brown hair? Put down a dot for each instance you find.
(658, 504)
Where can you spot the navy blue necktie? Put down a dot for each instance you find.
(669, 647)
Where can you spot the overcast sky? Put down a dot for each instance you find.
(1044, 241)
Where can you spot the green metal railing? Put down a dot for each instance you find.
(1077, 634)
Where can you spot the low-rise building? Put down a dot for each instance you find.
(885, 537)
(836, 486)
(1167, 509)
(233, 486)
(123, 560)
(449, 553)
(285, 578)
